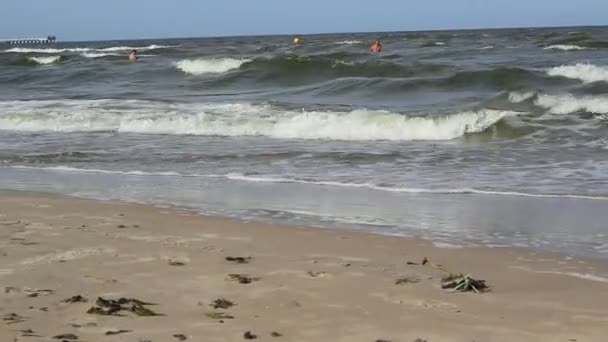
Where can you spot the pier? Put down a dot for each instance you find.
(29, 41)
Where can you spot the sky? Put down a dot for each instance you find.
(131, 19)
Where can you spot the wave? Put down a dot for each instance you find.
(500, 78)
(239, 119)
(564, 47)
(432, 44)
(297, 68)
(45, 60)
(565, 104)
(278, 180)
(98, 171)
(98, 54)
(348, 42)
(464, 191)
(587, 73)
(517, 97)
(108, 49)
(209, 65)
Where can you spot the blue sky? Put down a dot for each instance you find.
(115, 19)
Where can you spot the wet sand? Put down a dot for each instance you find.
(304, 284)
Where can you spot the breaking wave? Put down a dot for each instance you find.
(564, 47)
(348, 42)
(45, 60)
(98, 54)
(203, 66)
(565, 104)
(587, 73)
(239, 119)
(107, 49)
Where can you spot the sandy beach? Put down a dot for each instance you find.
(274, 282)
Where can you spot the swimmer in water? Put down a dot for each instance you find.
(133, 55)
(376, 47)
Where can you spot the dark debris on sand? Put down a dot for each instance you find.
(406, 280)
(275, 334)
(28, 333)
(242, 278)
(239, 260)
(12, 318)
(463, 283)
(219, 315)
(111, 307)
(248, 335)
(176, 263)
(180, 337)
(75, 299)
(64, 337)
(117, 332)
(222, 303)
(36, 293)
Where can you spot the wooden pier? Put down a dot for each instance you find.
(29, 41)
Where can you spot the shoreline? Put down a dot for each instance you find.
(543, 224)
(314, 284)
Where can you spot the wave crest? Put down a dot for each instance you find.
(203, 66)
(45, 60)
(108, 49)
(564, 47)
(565, 104)
(97, 54)
(240, 119)
(587, 73)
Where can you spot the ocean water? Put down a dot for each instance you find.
(495, 137)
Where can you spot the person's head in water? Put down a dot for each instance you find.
(376, 46)
(133, 55)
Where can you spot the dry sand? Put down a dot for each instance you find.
(314, 284)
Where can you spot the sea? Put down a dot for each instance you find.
(468, 138)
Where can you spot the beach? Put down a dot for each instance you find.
(288, 283)
(451, 188)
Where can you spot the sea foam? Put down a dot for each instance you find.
(238, 119)
(209, 65)
(587, 73)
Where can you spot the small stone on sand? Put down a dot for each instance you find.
(248, 335)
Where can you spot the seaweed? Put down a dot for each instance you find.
(238, 260)
(222, 303)
(463, 283)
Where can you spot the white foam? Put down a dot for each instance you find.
(564, 104)
(31, 50)
(487, 47)
(238, 119)
(269, 179)
(517, 97)
(348, 42)
(439, 244)
(82, 49)
(209, 65)
(99, 171)
(98, 54)
(128, 48)
(564, 47)
(45, 60)
(587, 73)
(241, 177)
